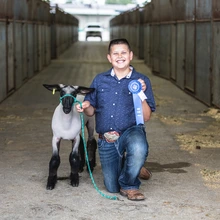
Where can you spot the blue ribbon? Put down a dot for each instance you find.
(135, 87)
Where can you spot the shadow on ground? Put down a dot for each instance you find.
(169, 167)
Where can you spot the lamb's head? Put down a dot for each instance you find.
(68, 94)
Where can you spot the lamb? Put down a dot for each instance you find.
(66, 124)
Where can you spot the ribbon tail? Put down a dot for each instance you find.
(138, 109)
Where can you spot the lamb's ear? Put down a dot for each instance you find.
(85, 90)
(54, 87)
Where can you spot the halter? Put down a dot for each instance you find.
(69, 95)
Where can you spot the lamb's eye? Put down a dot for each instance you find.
(73, 93)
(62, 93)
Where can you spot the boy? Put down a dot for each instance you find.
(122, 143)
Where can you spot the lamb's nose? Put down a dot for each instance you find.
(66, 110)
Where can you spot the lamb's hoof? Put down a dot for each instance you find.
(51, 182)
(81, 168)
(74, 179)
(91, 165)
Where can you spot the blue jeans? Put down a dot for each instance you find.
(122, 160)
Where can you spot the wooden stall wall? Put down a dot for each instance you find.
(180, 42)
(26, 27)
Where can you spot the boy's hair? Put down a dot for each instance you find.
(118, 41)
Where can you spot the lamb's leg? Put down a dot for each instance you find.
(91, 149)
(82, 155)
(54, 164)
(90, 125)
(91, 143)
(74, 162)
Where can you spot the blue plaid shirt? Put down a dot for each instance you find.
(114, 102)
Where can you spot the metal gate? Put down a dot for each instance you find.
(25, 40)
(181, 43)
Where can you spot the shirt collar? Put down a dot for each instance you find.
(127, 76)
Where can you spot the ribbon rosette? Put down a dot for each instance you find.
(135, 88)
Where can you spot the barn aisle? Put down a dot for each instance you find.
(185, 182)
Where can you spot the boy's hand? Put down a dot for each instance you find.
(85, 105)
(144, 87)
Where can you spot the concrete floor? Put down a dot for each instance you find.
(177, 190)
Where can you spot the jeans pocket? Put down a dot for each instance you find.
(100, 143)
(116, 143)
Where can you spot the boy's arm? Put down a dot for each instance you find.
(86, 108)
(146, 111)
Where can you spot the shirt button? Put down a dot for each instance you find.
(110, 128)
(113, 104)
(119, 82)
(116, 93)
(111, 116)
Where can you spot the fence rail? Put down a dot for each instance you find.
(179, 40)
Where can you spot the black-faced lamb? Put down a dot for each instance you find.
(66, 124)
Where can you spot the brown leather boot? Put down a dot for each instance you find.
(132, 194)
(145, 174)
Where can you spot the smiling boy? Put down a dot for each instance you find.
(122, 143)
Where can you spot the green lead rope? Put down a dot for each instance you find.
(87, 160)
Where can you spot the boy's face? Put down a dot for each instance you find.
(120, 56)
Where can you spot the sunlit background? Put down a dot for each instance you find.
(100, 11)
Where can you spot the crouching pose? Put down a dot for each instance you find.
(120, 118)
